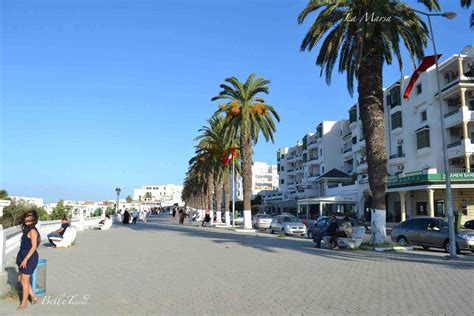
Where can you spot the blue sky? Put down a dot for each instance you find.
(100, 94)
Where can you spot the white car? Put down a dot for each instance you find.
(262, 221)
(288, 225)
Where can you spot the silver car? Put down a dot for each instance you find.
(261, 221)
(288, 225)
(431, 232)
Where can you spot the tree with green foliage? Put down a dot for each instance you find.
(12, 213)
(360, 49)
(97, 212)
(129, 199)
(110, 210)
(61, 211)
(247, 115)
(3, 195)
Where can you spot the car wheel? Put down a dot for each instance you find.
(402, 241)
(272, 231)
(310, 235)
(447, 247)
(426, 247)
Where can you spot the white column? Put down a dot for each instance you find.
(403, 210)
(430, 202)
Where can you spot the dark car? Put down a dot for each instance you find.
(431, 232)
(320, 228)
(469, 224)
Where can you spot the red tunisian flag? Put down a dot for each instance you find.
(426, 63)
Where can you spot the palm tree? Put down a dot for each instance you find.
(363, 46)
(214, 139)
(246, 116)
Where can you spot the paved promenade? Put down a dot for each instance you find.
(163, 268)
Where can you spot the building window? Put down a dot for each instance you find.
(321, 152)
(419, 89)
(322, 170)
(354, 140)
(282, 168)
(424, 116)
(282, 181)
(396, 120)
(423, 139)
(471, 105)
(439, 208)
(421, 208)
(400, 151)
(282, 156)
(352, 115)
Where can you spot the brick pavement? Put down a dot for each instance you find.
(169, 269)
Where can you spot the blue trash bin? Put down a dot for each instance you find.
(38, 279)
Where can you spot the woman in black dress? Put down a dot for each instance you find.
(27, 258)
(126, 217)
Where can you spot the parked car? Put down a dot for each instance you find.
(320, 227)
(431, 232)
(469, 224)
(288, 225)
(261, 221)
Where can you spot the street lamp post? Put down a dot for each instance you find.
(447, 175)
(118, 195)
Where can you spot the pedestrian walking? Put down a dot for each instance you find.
(173, 217)
(27, 257)
(181, 216)
(134, 216)
(126, 217)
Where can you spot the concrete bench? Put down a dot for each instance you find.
(352, 242)
(68, 238)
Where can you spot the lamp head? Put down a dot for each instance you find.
(449, 15)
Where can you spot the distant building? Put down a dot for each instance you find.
(264, 178)
(28, 200)
(165, 194)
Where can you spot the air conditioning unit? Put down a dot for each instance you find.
(400, 141)
(400, 167)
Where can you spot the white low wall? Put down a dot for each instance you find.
(10, 238)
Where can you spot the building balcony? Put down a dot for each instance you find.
(313, 161)
(397, 130)
(312, 144)
(396, 159)
(459, 148)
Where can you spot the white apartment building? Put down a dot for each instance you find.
(39, 202)
(166, 194)
(337, 182)
(264, 178)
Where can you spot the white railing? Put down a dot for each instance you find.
(10, 238)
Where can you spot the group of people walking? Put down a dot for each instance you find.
(135, 215)
(181, 214)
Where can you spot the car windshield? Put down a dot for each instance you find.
(290, 219)
(264, 216)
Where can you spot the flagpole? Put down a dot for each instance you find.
(233, 192)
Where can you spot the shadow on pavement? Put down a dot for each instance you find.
(271, 244)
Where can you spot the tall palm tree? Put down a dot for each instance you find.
(247, 115)
(348, 32)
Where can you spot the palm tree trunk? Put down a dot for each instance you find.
(372, 117)
(246, 151)
(227, 197)
(218, 189)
